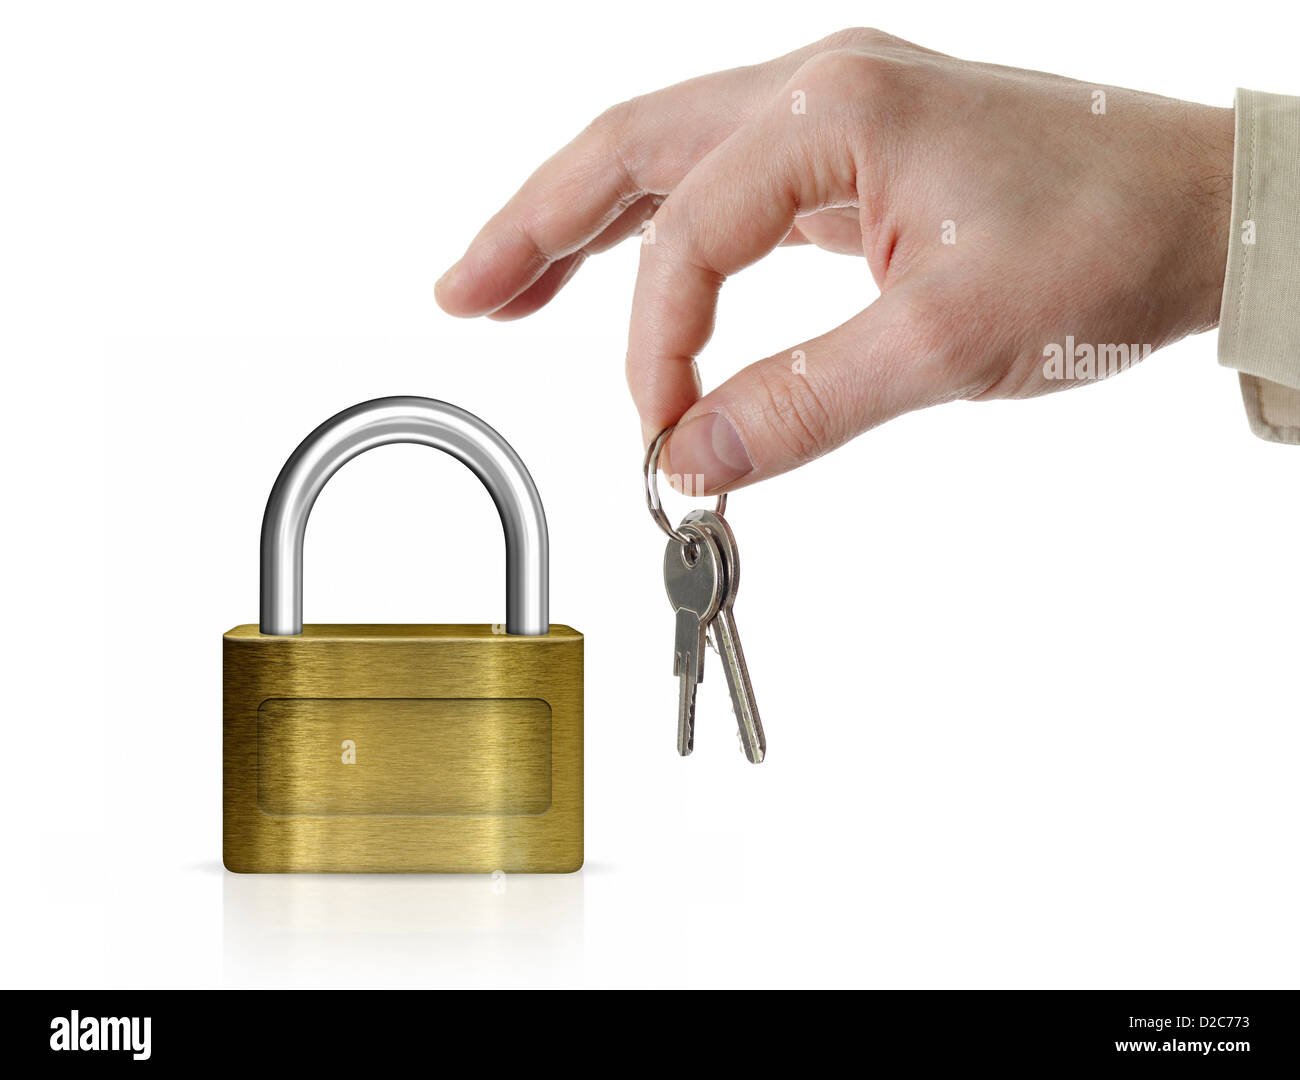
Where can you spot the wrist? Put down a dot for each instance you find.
(1209, 183)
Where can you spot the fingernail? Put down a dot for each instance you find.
(707, 454)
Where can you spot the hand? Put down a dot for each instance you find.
(999, 211)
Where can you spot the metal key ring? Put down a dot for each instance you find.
(652, 490)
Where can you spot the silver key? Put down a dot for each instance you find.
(694, 586)
(725, 635)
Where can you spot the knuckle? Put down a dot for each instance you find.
(845, 75)
(612, 135)
(860, 37)
(612, 122)
(854, 91)
(798, 415)
(610, 130)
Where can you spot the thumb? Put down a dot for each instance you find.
(779, 413)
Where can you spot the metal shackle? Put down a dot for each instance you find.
(405, 420)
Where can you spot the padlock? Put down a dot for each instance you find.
(412, 748)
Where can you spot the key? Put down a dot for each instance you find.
(694, 587)
(725, 637)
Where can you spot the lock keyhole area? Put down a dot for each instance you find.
(349, 752)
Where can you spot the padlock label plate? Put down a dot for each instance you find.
(408, 756)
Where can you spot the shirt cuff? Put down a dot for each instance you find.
(1259, 319)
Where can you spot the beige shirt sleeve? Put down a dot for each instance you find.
(1259, 321)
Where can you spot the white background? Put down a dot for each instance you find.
(1031, 711)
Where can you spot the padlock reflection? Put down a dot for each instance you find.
(525, 928)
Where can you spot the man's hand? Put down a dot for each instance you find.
(999, 211)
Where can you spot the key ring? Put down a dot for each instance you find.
(652, 491)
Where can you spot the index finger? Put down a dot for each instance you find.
(737, 205)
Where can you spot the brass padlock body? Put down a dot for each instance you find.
(417, 749)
